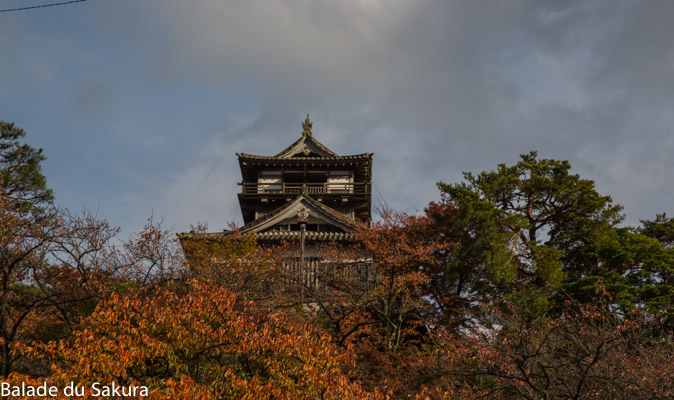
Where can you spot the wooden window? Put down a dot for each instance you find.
(269, 181)
(340, 181)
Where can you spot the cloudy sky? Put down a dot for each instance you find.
(140, 105)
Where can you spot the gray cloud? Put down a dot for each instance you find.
(435, 88)
(432, 87)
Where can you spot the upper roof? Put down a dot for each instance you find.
(306, 147)
(355, 157)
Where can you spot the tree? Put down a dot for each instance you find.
(373, 290)
(403, 248)
(515, 226)
(587, 352)
(21, 175)
(473, 269)
(152, 257)
(202, 344)
(49, 259)
(52, 271)
(660, 229)
(635, 269)
(236, 262)
(657, 267)
(23, 244)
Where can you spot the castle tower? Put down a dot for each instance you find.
(334, 190)
(304, 196)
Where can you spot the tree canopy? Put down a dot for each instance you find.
(519, 283)
(21, 171)
(537, 231)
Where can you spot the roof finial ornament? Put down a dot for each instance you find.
(307, 126)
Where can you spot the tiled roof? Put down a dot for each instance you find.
(276, 158)
(295, 235)
(276, 236)
(208, 235)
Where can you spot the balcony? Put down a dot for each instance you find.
(283, 188)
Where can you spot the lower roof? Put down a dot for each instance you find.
(274, 236)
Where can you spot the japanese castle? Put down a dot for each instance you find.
(306, 191)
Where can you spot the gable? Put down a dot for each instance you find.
(306, 146)
(287, 214)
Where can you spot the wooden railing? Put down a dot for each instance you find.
(316, 273)
(311, 188)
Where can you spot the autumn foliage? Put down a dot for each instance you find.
(202, 344)
(516, 284)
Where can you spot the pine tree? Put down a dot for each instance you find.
(21, 175)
